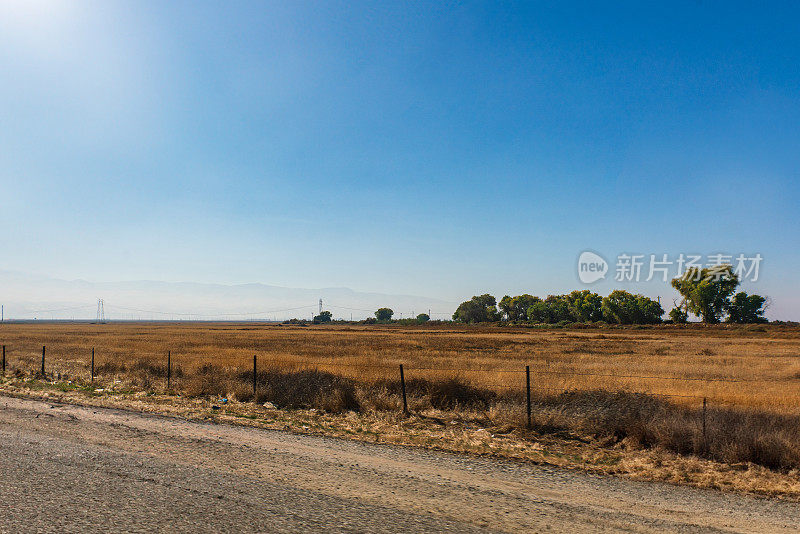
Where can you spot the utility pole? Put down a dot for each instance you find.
(101, 312)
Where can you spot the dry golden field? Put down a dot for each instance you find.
(749, 367)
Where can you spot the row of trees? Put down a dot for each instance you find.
(382, 315)
(619, 307)
(707, 293)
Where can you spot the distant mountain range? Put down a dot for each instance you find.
(27, 296)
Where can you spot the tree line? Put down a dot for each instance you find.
(580, 306)
(382, 315)
(707, 293)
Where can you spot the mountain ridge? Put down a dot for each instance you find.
(26, 295)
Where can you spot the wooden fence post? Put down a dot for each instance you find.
(403, 387)
(528, 390)
(4, 360)
(169, 367)
(705, 439)
(254, 377)
(42, 361)
(92, 364)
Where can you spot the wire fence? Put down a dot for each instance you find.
(518, 381)
(521, 379)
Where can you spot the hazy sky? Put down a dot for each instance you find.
(397, 147)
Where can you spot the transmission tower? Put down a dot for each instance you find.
(320, 306)
(101, 312)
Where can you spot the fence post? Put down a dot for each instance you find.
(705, 439)
(169, 367)
(92, 364)
(4, 360)
(42, 361)
(528, 390)
(254, 377)
(403, 387)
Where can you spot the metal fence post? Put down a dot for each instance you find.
(254, 377)
(528, 391)
(169, 367)
(92, 364)
(42, 361)
(403, 387)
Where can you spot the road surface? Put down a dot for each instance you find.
(71, 468)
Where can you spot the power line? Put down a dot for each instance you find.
(351, 309)
(158, 312)
(373, 311)
(62, 309)
(100, 310)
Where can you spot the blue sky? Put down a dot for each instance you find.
(430, 149)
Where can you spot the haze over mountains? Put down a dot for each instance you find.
(28, 296)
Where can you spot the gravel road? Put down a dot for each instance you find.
(71, 468)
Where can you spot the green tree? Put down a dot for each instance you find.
(618, 307)
(746, 308)
(539, 312)
(585, 306)
(384, 314)
(516, 308)
(558, 308)
(323, 317)
(622, 307)
(707, 292)
(423, 318)
(678, 315)
(553, 309)
(648, 311)
(478, 309)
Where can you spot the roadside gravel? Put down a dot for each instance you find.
(69, 468)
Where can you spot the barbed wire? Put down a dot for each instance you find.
(652, 377)
(534, 371)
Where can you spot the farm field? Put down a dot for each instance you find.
(756, 367)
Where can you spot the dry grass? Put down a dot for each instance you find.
(605, 383)
(766, 358)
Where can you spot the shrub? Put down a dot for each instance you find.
(304, 389)
(733, 435)
(678, 315)
(450, 394)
